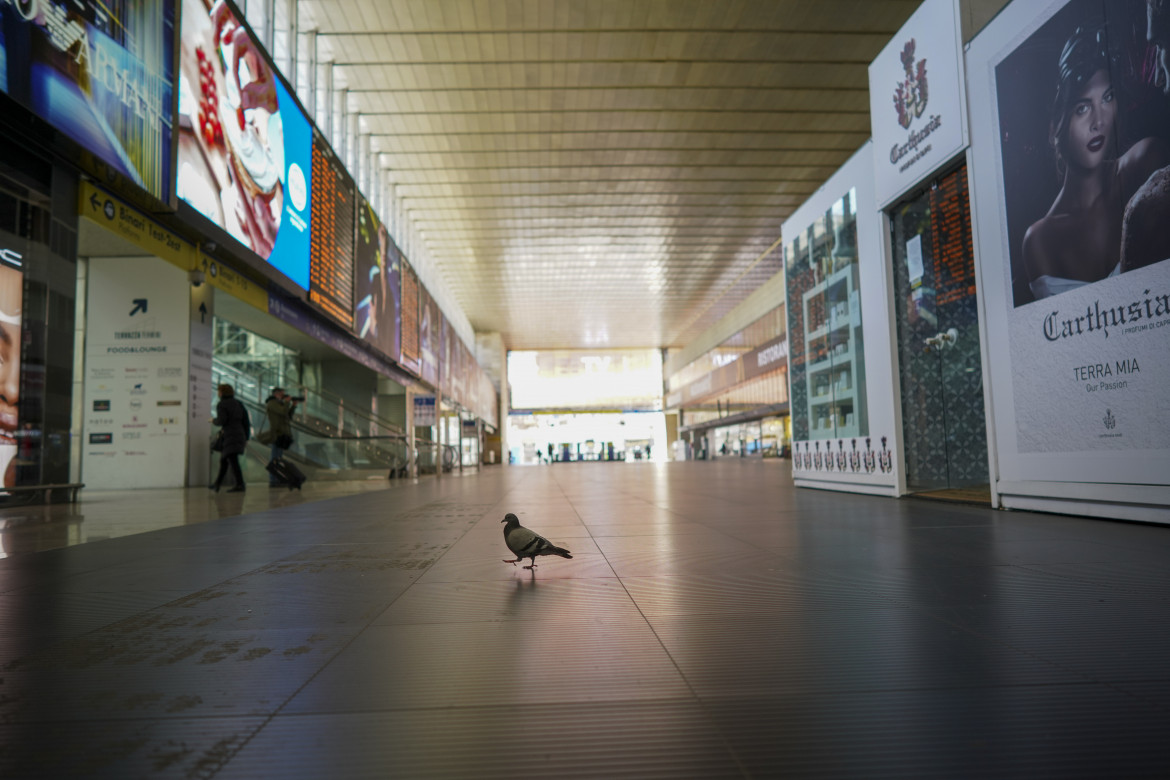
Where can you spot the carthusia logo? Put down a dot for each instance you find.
(912, 93)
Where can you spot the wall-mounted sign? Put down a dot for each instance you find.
(102, 74)
(916, 105)
(123, 220)
(233, 283)
(424, 411)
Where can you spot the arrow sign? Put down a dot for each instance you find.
(139, 306)
(202, 312)
(93, 201)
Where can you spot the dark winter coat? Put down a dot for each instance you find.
(279, 417)
(237, 428)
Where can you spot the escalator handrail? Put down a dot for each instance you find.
(331, 397)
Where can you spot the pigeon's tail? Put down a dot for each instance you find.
(561, 551)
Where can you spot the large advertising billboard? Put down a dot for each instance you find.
(245, 146)
(1072, 198)
(377, 317)
(102, 74)
(429, 336)
(11, 338)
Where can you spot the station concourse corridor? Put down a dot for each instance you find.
(714, 622)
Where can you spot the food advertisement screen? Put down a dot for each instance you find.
(331, 247)
(245, 147)
(376, 284)
(102, 74)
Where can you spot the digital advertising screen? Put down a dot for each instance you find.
(102, 74)
(377, 279)
(446, 338)
(429, 336)
(11, 319)
(331, 264)
(409, 353)
(245, 147)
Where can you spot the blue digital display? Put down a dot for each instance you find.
(245, 147)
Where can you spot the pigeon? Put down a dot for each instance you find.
(527, 544)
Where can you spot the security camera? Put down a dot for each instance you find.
(195, 277)
(210, 247)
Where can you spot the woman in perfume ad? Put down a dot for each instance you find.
(1081, 197)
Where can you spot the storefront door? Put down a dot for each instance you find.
(943, 419)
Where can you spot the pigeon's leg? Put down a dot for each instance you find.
(513, 562)
(533, 566)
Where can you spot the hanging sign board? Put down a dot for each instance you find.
(131, 224)
(424, 411)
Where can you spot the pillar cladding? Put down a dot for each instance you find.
(136, 374)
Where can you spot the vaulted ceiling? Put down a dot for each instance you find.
(605, 173)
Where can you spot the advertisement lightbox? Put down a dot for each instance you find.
(245, 146)
(1070, 181)
(11, 338)
(102, 74)
(429, 336)
(376, 284)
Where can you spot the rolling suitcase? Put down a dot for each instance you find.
(287, 472)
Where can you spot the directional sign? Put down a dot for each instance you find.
(134, 226)
(139, 306)
(224, 278)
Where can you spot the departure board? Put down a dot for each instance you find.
(954, 259)
(331, 246)
(409, 319)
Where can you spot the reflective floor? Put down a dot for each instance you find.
(714, 621)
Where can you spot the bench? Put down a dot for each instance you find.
(46, 490)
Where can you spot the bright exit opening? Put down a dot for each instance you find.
(570, 405)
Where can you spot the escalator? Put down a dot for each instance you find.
(330, 441)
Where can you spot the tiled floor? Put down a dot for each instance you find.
(714, 621)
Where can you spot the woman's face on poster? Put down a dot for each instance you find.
(1091, 123)
(11, 292)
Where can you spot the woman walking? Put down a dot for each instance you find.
(232, 417)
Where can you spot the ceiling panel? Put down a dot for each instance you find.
(591, 173)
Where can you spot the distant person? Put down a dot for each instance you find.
(279, 407)
(232, 418)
